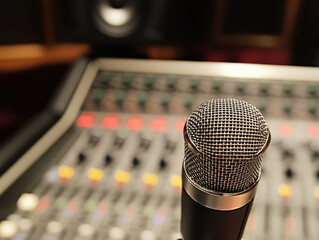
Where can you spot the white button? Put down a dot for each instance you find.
(54, 227)
(8, 229)
(116, 233)
(25, 224)
(177, 236)
(27, 202)
(147, 235)
(85, 230)
(13, 217)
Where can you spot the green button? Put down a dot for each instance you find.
(217, 85)
(288, 107)
(119, 98)
(127, 79)
(264, 87)
(149, 211)
(194, 83)
(119, 208)
(149, 80)
(177, 213)
(288, 88)
(105, 77)
(90, 206)
(240, 86)
(98, 95)
(188, 102)
(165, 100)
(262, 106)
(171, 82)
(312, 108)
(60, 203)
(312, 90)
(142, 99)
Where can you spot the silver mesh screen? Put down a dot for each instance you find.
(228, 133)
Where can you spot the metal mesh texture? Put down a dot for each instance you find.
(228, 133)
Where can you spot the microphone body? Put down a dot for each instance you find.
(202, 223)
(225, 140)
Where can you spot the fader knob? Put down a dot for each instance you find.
(82, 157)
(264, 88)
(149, 80)
(165, 100)
(315, 154)
(217, 85)
(194, 83)
(171, 142)
(93, 140)
(287, 89)
(135, 162)
(289, 173)
(262, 107)
(188, 102)
(145, 139)
(108, 159)
(312, 90)
(314, 149)
(163, 163)
(97, 96)
(240, 87)
(127, 79)
(287, 149)
(105, 78)
(312, 109)
(171, 82)
(119, 98)
(287, 107)
(142, 99)
(119, 138)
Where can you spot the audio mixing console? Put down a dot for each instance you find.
(110, 166)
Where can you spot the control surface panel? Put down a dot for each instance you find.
(114, 173)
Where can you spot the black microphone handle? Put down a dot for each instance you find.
(201, 223)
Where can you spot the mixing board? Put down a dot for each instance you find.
(110, 166)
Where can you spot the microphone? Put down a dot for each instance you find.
(225, 140)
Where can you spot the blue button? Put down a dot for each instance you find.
(19, 236)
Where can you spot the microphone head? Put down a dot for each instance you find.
(224, 144)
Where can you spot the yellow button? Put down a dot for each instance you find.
(95, 174)
(150, 179)
(285, 190)
(122, 176)
(176, 181)
(66, 172)
(27, 202)
(316, 192)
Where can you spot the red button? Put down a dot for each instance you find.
(159, 123)
(285, 130)
(135, 122)
(179, 126)
(111, 121)
(43, 205)
(87, 119)
(313, 131)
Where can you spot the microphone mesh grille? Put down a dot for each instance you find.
(228, 133)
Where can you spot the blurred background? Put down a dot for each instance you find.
(133, 112)
(39, 39)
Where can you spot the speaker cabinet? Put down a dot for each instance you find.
(128, 22)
